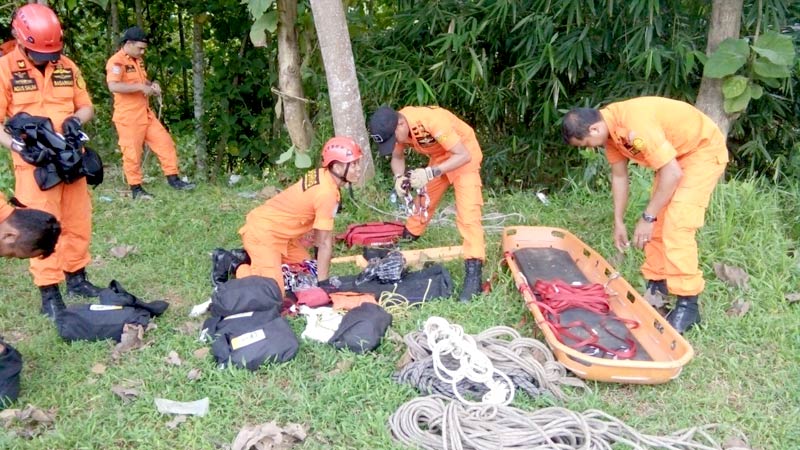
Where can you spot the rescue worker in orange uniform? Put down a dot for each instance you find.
(272, 231)
(135, 122)
(37, 79)
(689, 154)
(454, 159)
(26, 233)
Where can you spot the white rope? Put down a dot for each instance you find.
(449, 339)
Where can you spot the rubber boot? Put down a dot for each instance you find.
(685, 314)
(407, 236)
(138, 193)
(473, 269)
(52, 302)
(78, 284)
(178, 184)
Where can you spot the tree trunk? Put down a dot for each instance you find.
(184, 75)
(113, 13)
(198, 69)
(295, 112)
(726, 19)
(137, 5)
(340, 71)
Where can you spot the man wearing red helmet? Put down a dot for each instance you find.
(37, 79)
(272, 231)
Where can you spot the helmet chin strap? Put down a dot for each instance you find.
(343, 177)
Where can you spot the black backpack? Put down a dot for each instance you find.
(246, 294)
(247, 347)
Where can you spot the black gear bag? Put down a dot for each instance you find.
(246, 294)
(427, 284)
(10, 369)
(362, 328)
(97, 322)
(247, 347)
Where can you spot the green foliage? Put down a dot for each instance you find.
(771, 58)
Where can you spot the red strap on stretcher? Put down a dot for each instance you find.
(555, 297)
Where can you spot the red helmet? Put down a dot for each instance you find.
(342, 149)
(39, 30)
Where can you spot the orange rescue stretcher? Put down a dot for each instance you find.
(545, 253)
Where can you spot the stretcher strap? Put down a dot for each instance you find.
(555, 297)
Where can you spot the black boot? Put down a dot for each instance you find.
(472, 279)
(77, 284)
(138, 192)
(178, 184)
(685, 314)
(52, 302)
(407, 236)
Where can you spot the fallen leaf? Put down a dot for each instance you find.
(150, 327)
(732, 275)
(656, 299)
(268, 436)
(98, 369)
(189, 328)
(7, 416)
(172, 424)
(342, 366)
(404, 360)
(738, 308)
(200, 353)
(394, 336)
(617, 259)
(173, 358)
(121, 251)
(793, 297)
(125, 393)
(131, 339)
(735, 443)
(194, 374)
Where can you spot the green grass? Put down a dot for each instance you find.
(745, 373)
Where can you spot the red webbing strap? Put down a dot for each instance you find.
(557, 296)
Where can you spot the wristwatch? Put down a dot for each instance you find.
(648, 218)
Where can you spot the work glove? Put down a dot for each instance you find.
(71, 126)
(17, 145)
(401, 185)
(420, 177)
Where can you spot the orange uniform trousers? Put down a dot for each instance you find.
(267, 252)
(71, 204)
(469, 200)
(132, 138)
(671, 254)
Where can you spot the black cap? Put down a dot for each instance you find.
(382, 126)
(134, 34)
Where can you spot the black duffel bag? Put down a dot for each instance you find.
(91, 322)
(216, 326)
(247, 347)
(10, 369)
(362, 328)
(427, 284)
(246, 294)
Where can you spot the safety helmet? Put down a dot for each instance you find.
(39, 30)
(342, 149)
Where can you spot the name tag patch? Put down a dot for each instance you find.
(247, 339)
(22, 82)
(63, 77)
(130, 68)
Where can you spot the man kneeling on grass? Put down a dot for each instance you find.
(24, 233)
(272, 232)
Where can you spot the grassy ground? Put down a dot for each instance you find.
(745, 373)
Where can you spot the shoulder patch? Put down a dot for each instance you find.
(311, 179)
(116, 69)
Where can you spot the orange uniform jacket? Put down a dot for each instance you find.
(434, 132)
(5, 208)
(271, 232)
(135, 122)
(652, 131)
(56, 94)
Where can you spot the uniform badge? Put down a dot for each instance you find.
(638, 144)
(116, 70)
(21, 64)
(311, 179)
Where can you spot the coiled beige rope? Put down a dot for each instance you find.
(435, 422)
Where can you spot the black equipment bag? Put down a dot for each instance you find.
(246, 294)
(10, 369)
(92, 322)
(427, 284)
(216, 326)
(247, 347)
(92, 167)
(116, 295)
(362, 328)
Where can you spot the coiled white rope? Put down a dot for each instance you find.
(445, 338)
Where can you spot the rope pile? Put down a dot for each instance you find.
(529, 364)
(435, 422)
